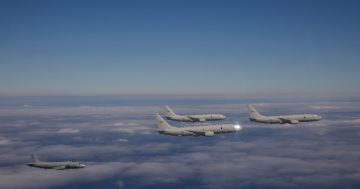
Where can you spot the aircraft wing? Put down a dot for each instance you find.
(61, 167)
(195, 118)
(292, 121)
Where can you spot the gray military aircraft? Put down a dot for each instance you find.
(35, 162)
(292, 119)
(191, 118)
(208, 130)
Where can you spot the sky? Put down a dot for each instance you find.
(178, 47)
(119, 143)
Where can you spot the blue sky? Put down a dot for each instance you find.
(179, 47)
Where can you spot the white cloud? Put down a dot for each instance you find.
(133, 129)
(28, 177)
(160, 172)
(121, 140)
(78, 110)
(4, 141)
(325, 107)
(68, 131)
(265, 157)
(119, 124)
(352, 121)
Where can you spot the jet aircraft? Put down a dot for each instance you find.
(208, 130)
(292, 119)
(191, 118)
(35, 162)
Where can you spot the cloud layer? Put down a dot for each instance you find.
(122, 148)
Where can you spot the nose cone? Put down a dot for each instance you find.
(237, 127)
(318, 117)
(223, 117)
(82, 165)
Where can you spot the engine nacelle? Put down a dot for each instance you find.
(209, 133)
(294, 121)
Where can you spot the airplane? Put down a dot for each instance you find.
(35, 162)
(208, 130)
(292, 119)
(192, 118)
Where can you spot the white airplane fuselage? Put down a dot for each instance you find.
(35, 162)
(208, 130)
(171, 115)
(194, 118)
(287, 118)
(293, 119)
(57, 165)
(201, 130)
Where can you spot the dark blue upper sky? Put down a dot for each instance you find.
(179, 47)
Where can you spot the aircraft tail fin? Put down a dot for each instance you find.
(34, 158)
(162, 124)
(252, 111)
(169, 112)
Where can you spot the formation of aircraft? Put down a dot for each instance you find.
(35, 162)
(211, 130)
(191, 118)
(292, 119)
(202, 130)
(208, 130)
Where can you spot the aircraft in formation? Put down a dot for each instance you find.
(202, 130)
(292, 119)
(206, 130)
(191, 118)
(211, 130)
(35, 162)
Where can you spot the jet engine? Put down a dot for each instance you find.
(294, 121)
(209, 133)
